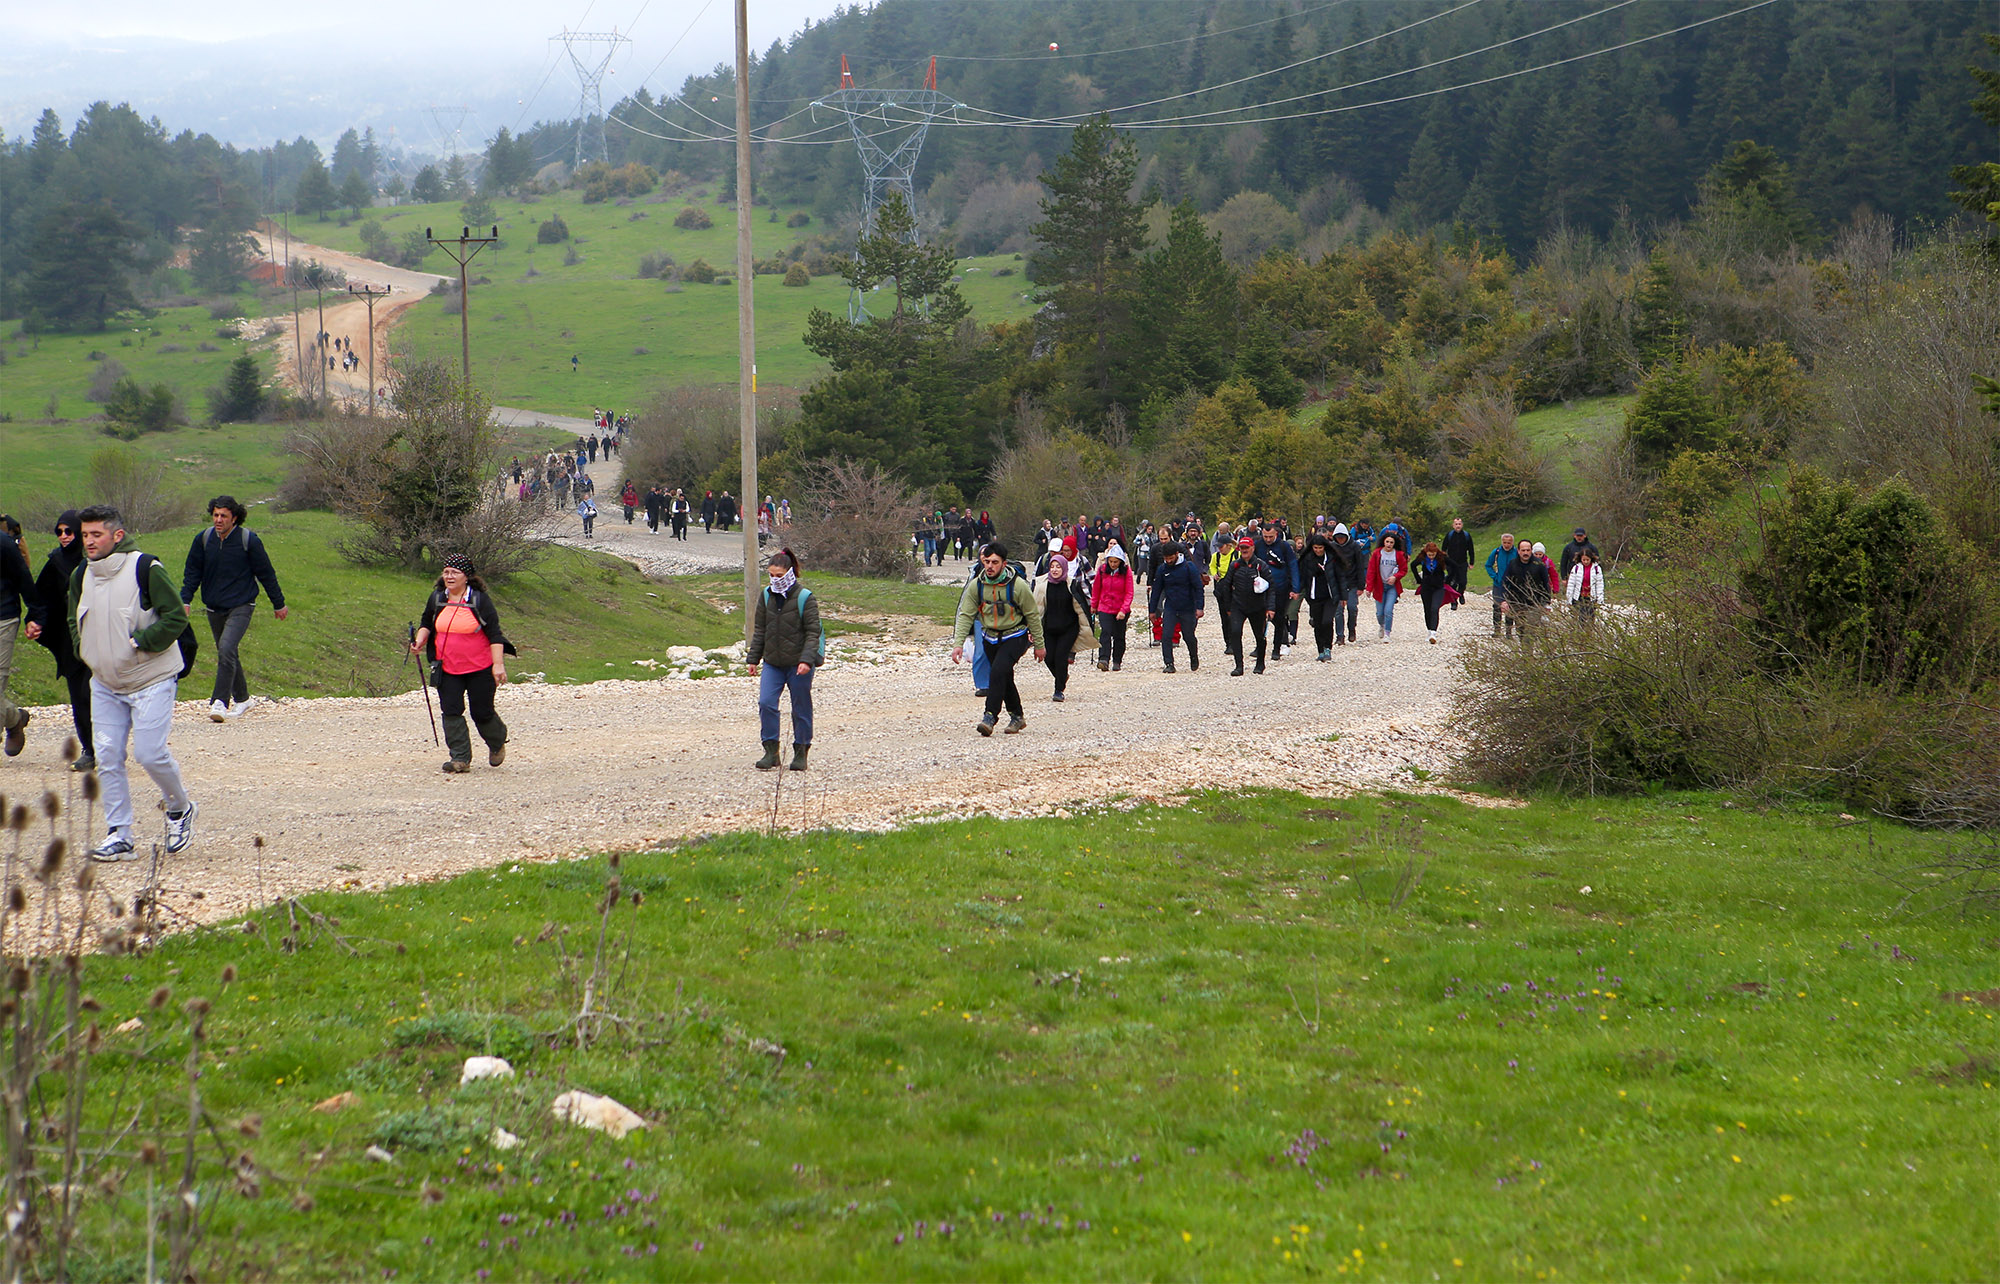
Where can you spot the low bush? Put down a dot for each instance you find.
(853, 518)
(693, 218)
(136, 487)
(799, 218)
(796, 275)
(552, 231)
(699, 272)
(654, 265)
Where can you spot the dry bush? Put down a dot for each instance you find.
(1500, 474)
(139, 490)
(686, 438)
(853, 518)
(1051, 473)
(104, 380)
(1894, 369)
(1612, 498)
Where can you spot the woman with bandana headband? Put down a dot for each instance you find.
(786, 645)
(460, 634)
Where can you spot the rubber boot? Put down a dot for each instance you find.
(799, 753)
(457, 739)
(494, 733)
(770, 758)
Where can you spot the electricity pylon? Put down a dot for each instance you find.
(889, 126)
(590, 64)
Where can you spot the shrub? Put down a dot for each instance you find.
(693, 218)
(684, 435)
(799, 218)
(224, 310)
(1688, 488)
(1501, 475)
(104, 379)
(698, 272)
(853, 518)
(570, 256)
(143, 409)
(552, 231)
(1673, 413)
(796, 274)
(241, 394)
(653, 265)
(138, 489)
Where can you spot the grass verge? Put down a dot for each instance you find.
(1260, 1037)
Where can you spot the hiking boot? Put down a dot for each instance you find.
(770, 758)
(114, 849)
(1057, 698)
(17, 736)
(85, 763)
(979, 691)
(799, 753)
(1168, 667)
(1237, 672)
(457, 766)
(986, 725)
(1016, 725)
(496, 754)
(180, 829)
(1117, 666)
(1103, 666)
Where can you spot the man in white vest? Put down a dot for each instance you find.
(126, 616)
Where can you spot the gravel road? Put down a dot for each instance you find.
(347, 792)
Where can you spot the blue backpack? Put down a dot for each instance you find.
(803, 594)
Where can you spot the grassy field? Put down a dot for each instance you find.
(538, 310)
(180, 347)
(1261, 1037)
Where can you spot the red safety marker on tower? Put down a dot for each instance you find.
(930, 77)
(846, 77)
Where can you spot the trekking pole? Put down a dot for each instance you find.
(423, 680)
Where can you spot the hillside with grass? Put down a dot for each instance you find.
(536, 305)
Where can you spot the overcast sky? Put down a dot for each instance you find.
(518, 28)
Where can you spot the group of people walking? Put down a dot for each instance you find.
(116, 624)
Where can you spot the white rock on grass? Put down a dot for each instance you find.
(599, 1114)
(503, 1140)
(485, 1068)
(691, 654)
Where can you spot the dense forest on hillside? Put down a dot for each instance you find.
(1866, 103)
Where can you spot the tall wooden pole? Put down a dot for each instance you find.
(746, 333)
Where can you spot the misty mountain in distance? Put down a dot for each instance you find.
(255, 92)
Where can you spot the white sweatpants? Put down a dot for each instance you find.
(146, 716)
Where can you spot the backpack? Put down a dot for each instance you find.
(804, 593)
(186, 641)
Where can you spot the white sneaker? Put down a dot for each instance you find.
(180, 829)
(235, 711)
(114, 849)
(218, 711)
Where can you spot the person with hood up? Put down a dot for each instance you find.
(459, 635)
(52, 587)
(1319, 586)
(1386, 567)
(1248, 594)
(1000, 602)
(1433, 573)
(787, 644)
(1111, 593)
(1178, 602)
(1061, 626)
(1349, 560)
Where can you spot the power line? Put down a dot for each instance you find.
(1161, 44)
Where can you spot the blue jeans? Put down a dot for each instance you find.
(771, 681)
(1385, 610)
(1346, 614)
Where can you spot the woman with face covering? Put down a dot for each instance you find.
(1061, 626)
(460, 635)
(786, 645)
(52, 585)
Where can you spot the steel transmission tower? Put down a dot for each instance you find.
(889, 126)
(583, 48)
(449, 122)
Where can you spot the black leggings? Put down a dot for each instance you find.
(1060, 646)
(78, 682)
(1432, 599)
(455, 690)
(1001, 656)
(1111, 637)
(1321, 612)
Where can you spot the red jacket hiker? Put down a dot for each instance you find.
(1375, 585)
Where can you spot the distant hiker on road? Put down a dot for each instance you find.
(588, 512)
(1497, 564)
(679, 512)
(126, 619)
(460, 635)
(629, 497)
(226, 563)
(725, 511)
(786, 645)
(708, 513)
(1459, 555)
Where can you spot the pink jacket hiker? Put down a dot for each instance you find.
(1111, 591)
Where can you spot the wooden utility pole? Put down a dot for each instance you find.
(746, 331)
(368, 294)
(463, 250)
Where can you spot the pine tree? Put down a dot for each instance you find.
(315, 194)
(1981, 183)
(241, 395)
(1090, 236)
(1186, 309)
(427, 187)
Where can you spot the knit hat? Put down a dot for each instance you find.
(1539, 548)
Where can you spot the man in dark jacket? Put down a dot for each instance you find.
(1528, 591)
(1277, 552)
(52, 587)
(17, 598)
(708, 512)
(1349, 563)
(1579, 544)
(1458, 556)
(226, 563)
(656, 499)
(725, 510)
(1177, 601)
(1243, 602)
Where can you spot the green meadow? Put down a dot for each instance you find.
(532, 309)
(1261, 1036)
